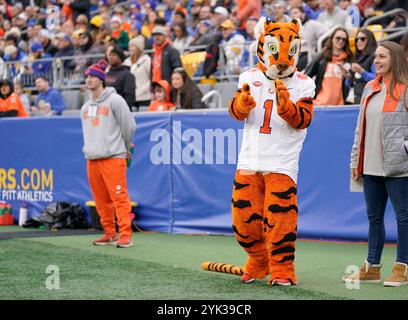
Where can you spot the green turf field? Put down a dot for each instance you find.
(16, 229)
(167, 266)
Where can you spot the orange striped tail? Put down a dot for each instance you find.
(222, 267)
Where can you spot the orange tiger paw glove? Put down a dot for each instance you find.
(282, 96)
(245, 102)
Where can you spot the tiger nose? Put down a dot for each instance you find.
(282, 67)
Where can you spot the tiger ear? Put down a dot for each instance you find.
(296, 25)
(260, 27)
(269, 20)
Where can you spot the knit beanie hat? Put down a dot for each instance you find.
(97, 70)
(138, 42)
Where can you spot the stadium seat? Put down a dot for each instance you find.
(352, 40)
(191, 61)
(377, 30)
(72, 99)
(227, 91)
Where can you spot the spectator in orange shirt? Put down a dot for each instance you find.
(10, 103)
(327, 67)
(66, 11)
(246, 9)
(121, 36)
(120, 12)
(161, 96)
(165, 57)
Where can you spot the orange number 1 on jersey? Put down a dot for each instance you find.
(266, 129)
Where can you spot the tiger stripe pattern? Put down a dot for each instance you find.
(278, 45)
(264, 199)
(285, 35)
(264, 215)
(222, 267)
(298, 115)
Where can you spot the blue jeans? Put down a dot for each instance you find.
(377, 190)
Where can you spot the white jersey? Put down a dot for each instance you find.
(269, 143)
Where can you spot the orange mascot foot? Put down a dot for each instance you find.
(280, 282)
(246, 278)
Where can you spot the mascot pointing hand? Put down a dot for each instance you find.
(276, 103)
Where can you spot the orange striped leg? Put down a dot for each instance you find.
(280, 223)
(247, 217)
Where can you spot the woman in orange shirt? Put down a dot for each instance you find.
(10, 103)
(327, 67)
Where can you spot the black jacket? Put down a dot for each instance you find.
(50, 49)
(212, 56)
(365, 61)
(170, 61)
(124, 82)
(190, 99)
(196, 96)
(317, 67)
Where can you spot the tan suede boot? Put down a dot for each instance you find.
(398, 277)
(368, 273)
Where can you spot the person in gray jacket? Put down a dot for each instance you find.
(380, 158)
(108, 129)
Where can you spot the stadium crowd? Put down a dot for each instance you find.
(144, 42)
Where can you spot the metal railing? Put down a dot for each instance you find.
(24, 71)
(72, 78)
(207, 99)
(64, 78)
(64, 73)
(393, 33)
(390, 13)
(398, 33)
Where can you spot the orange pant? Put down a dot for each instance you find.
(107, 178)
(264, 218)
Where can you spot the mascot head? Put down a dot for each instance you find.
(278, 47)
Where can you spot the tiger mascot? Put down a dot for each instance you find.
(275, 100)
